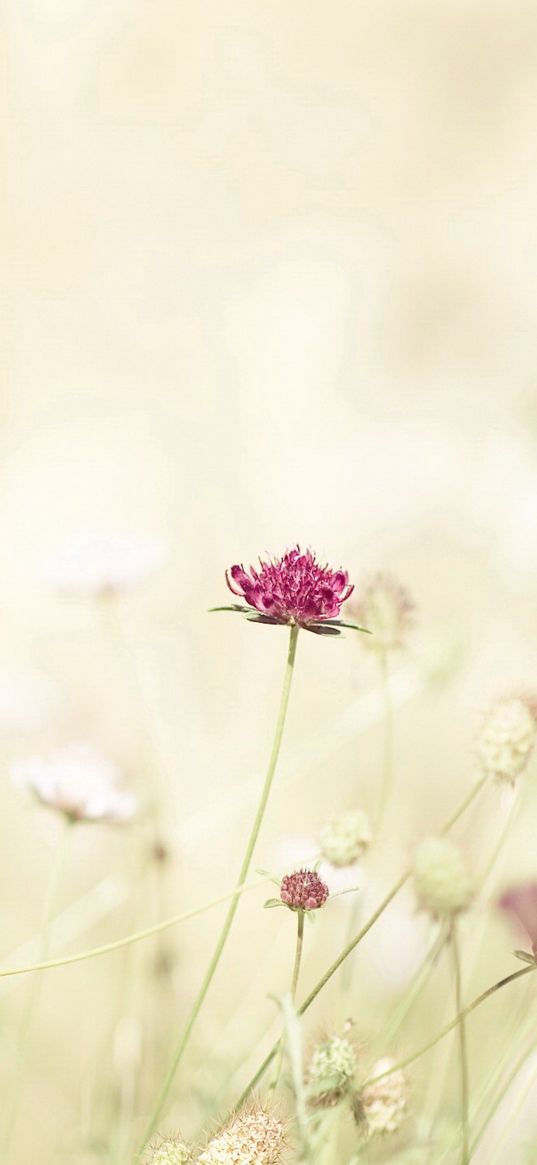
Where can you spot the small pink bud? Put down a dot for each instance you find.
(303, 890)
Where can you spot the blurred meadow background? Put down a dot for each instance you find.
(270, 275)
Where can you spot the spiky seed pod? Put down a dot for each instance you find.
(507, 738)
(385, 1104)
(386, 609)
(170, 1151)
(345, 837)
(442, 882)
(331, 1071)
(253, 1138)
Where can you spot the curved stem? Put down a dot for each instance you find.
(252, 840)
(463, 1049)
(466, 1011)
(138, 935)
(357, 939)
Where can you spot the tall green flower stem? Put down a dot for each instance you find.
(228, 922)
(463, 1048)
(12, 1104)
(351, 946)
(294, 986)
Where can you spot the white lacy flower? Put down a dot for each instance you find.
(253, 1139)
(101, 565)
(507, 739)
(385, 1102)
(78, 782)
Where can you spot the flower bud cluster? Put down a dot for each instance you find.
(385, 1103)
(170, 1151)
(442, 882)
(303, 890)
(331, 1071)
(386, 609)
(253, 1138)
(345, 837)
(507, 739)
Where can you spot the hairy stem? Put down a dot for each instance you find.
(252, 840)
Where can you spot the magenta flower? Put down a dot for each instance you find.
(294, 590)
(520, 904)
(304, 890)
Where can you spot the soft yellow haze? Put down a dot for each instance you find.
(269, 275)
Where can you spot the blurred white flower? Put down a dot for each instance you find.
(507, 738)
(345, 837)
(78, 782)
(100, 565)
(442, 882)
(385, 1103)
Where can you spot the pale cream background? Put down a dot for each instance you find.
(270, 273)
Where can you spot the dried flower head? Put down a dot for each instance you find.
(253, 1138)
(520, 903)
(294, 589)
(170, 1151)
(507, 738)
(384, 1103)
(345, 837)
(78, 782)
(387, 609)
(98, 566)
(303, 890)
(442, 882)
(331, 1071)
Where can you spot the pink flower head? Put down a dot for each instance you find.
(294, 589)
(520, 904)
(304, 890)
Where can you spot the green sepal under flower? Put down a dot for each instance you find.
(319, 627)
